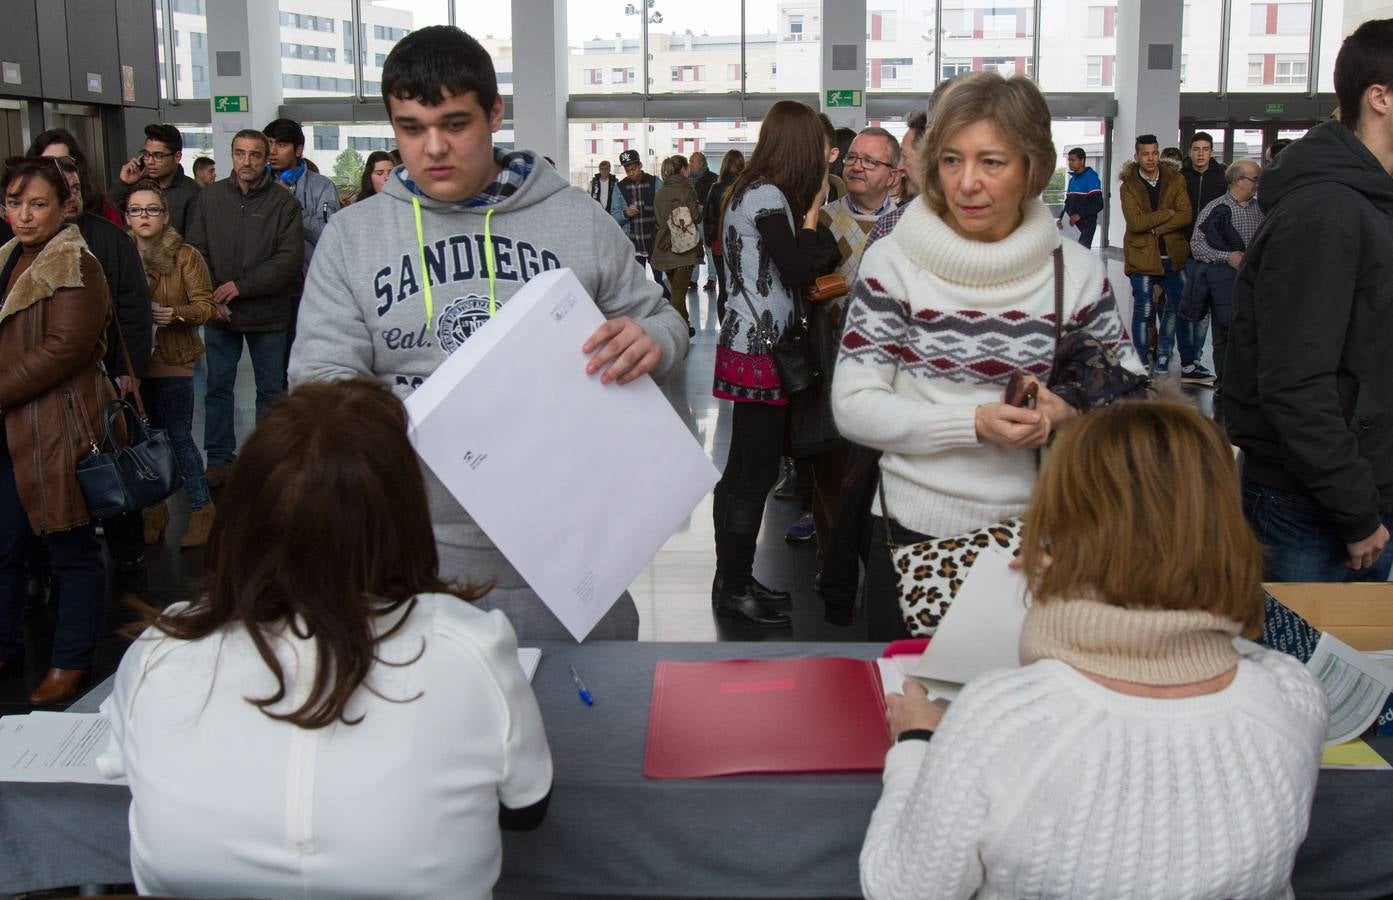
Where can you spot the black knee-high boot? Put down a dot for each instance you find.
(734, 592)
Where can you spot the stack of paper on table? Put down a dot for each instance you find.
(53, 746)
(578, 483)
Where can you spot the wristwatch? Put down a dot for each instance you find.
(914, 734)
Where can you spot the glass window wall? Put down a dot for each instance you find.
(316, 48)
(900, 46)
(1078, 46)
(190, 49)
(605, 46)
(1269, 46)
(593, 142)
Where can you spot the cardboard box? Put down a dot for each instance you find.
(1361, 615)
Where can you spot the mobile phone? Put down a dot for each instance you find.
(1020, 392)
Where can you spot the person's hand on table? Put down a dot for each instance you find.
(912, 710)
(1011, 426)
(626, 347)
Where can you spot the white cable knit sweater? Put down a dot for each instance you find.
(1043, 783)
(934, 327)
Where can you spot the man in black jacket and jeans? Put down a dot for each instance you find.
(1308, 385)
(248, 228)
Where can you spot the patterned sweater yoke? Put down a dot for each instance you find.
(935, 325)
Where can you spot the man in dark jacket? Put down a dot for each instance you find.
(1204, 176)
(1308, 388)
(159, 159)
(702, 180)
(248, 229)
(640, 191)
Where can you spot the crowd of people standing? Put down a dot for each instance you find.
(948, 333)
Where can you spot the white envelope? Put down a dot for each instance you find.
(578, 483)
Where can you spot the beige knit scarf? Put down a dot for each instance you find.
(1143, 646)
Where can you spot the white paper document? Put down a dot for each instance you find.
(1357, 687)
(578, 483)
(53, 746)
(981, 630)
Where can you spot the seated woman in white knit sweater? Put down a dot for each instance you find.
(1137, 753)
(944, 309)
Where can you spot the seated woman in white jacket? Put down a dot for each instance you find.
(329, 719)
(1137, 753)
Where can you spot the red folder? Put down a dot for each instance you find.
(820, 714)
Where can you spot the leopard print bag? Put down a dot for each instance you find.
(930, 573)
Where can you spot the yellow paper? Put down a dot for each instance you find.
(1352, 755)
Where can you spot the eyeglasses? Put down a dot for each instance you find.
(156, 155)
(867, 162)
(145, 212)
(1253, 178)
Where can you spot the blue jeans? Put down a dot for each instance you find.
(267, 350)
(169, 401)
(74, 559)
(1172, 284)
(1299, 542)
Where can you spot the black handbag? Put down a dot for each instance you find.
(794, 354)
(1086, 373)
(130, 478)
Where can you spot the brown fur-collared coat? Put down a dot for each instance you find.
(1170, 221)
(52, 388)
(178, 279)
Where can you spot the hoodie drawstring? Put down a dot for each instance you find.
(425, 269)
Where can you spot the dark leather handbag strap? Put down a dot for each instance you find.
(114, 409)
(1058, 295)
(885, 512)
(126, 357)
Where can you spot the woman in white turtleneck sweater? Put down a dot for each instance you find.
(1137, 752)
(956, 298)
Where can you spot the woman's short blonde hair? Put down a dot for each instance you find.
(1013, 105)
(672, 165)
(1138, 506)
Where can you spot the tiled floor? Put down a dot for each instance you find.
(673, 592)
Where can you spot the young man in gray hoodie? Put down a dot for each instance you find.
(364, 310)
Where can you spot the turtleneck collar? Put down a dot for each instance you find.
(1143, 646)
(932, 244)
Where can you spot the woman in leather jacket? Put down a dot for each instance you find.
(53, 392)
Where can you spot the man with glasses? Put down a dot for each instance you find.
(871, 171)
(248, 229)
(159, 159)
(1223, 232)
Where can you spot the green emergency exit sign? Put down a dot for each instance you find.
(231, 103)
(1275, 108)
(843, 98)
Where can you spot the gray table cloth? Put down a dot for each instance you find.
(610, 831)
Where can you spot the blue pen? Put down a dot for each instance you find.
(580, 687)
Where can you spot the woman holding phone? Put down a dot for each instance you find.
(958, 296)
